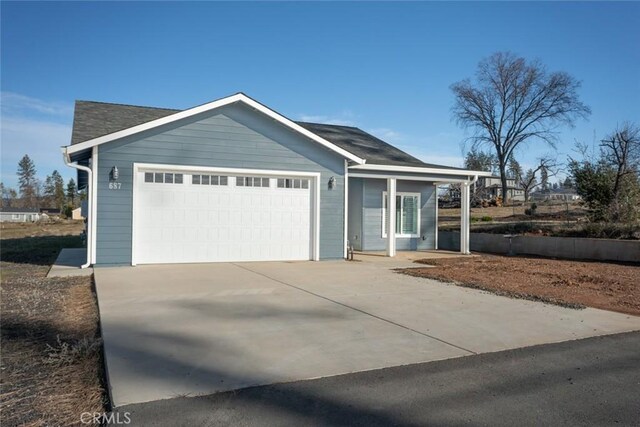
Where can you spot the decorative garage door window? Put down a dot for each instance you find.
(251, 181)
(209, 179)
(293, 183)
(163, 177)
(407, 214)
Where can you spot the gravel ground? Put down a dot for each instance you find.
(575, 284)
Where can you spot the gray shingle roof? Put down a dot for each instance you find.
(18, 210)
(94, 119)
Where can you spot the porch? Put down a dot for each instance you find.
(403, 199)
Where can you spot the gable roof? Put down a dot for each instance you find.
(95, 119)
(179, 115)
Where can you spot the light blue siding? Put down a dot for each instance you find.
(234, 137)
(372, 190)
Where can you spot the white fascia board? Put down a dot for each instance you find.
(239, 97)
(415, 169)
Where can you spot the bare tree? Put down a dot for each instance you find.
(514, 101)
(528, 181)
(621, 149)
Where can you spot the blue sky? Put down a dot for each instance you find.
(384, 67)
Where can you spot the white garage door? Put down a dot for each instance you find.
(182, 217)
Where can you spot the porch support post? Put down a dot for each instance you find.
(464, 218)
(391, 217)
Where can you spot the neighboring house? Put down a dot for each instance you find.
(19, 214)
(233, 180)
(490, 187)
(564, 194)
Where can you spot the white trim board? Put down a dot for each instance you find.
(239, 97)
(94, 204)
(407, 178)
(414, 169)
(315, 194)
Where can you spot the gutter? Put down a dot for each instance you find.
(67, 161)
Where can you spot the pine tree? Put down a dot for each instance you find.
(28, 182)
(58, 189)
(72, 191)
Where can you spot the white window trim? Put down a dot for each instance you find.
(384, 225)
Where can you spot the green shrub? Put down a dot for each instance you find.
(486, 218)
(532, 210)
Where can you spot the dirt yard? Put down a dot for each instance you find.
(570, 283)
(52, 368)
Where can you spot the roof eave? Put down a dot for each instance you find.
(419, 170)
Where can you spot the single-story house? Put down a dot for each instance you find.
(563, 194)
(19, 214)
(234, 180)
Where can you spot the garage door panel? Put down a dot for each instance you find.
(188, 222)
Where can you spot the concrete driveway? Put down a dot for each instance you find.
(186, 330)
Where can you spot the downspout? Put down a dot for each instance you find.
(89, 172)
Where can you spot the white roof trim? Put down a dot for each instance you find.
(239, 97)
(414, 169)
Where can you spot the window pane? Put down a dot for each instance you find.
(178, 178)
(248, 181)
(205, 180)
(296, 183)
(223, 180)
(168, 178)
(214, 179)
(239, 181)
(280, 183)
(305, 183)
(265, 182)
(410, 215)
(195, 179)
(159, 177)
(148, 177)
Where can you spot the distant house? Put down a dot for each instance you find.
(19, 214)
(564, 194)
(490, 187)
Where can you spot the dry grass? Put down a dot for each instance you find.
(17, 230)
(546, 211)
(52, 367)
(570, 283)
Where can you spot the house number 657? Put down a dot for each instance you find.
(115, 185)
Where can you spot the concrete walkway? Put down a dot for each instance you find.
(68, 263)
(186, 330)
